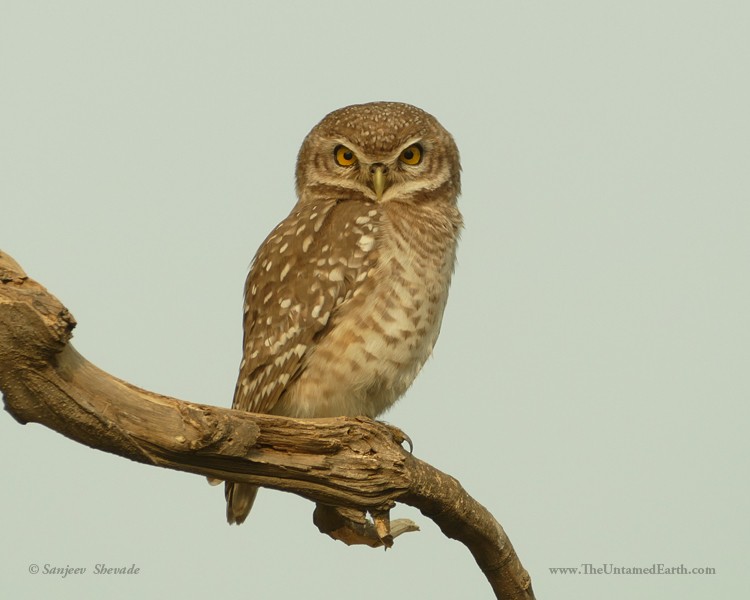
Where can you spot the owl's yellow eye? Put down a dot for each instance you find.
(344, 156)
(411, 155)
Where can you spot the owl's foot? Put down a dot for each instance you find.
(352, 526)
(399, 436)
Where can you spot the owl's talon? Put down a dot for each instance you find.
(382, 522)
(407, 439)
(399, 436)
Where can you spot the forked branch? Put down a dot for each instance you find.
(352, 464)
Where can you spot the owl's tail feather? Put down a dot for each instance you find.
(240, 498)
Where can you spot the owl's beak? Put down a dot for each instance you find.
(378, 181)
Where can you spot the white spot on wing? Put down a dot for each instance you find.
(285, 271)
(267, 389)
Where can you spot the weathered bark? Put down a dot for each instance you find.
(353, 464)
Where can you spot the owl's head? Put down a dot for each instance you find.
(379, 152)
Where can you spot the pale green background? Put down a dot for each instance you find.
(591, 383)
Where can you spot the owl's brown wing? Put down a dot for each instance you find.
(303, 273)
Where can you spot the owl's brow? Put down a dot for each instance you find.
(335, 141)
(417, 139)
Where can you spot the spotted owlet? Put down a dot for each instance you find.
(345, 297)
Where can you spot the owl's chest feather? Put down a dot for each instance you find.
(384, 333)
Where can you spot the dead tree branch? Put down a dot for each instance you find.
(353, 464)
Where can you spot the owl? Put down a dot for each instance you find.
(345, 297)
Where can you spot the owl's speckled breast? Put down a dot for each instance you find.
(381, 337)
